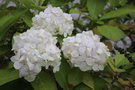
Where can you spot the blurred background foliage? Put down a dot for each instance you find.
(113, 20)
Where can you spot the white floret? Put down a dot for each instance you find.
(85, 51)
(35, 49)
(54, 20)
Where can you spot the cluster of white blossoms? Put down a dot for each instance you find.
(35, 49)
(54, 20)
(85, 51)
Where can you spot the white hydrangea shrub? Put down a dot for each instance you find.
(35, 49)
(85, 51)
(54, 20)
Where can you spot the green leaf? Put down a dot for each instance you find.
(62, 75)
(28, 3)
(7, 75)
(114, 2)
(117, 2)
(118, 13)
(88, 80)
(120, 59)
(132, 15)
(110, 32)
(122, 2)
(18, 84)
(72, 10)
(133, 55)
(83, 3)
(95, 7)
(7, 21)
(132, 72)
(108, 80)
(28, 19)
(4, 49)
(39, 2)
(60, 39)
(59, 2)
(44, 81)
(99, 83)
(113, 67)
(82, 87)
(100, 22)
(117, 85)
(132, 80)
(10, 65)
(75, 76)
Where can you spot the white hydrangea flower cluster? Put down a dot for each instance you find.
(35, 49)
(85, 51)
(54, 20)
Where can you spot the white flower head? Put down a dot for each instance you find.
(54, 20)
(85, 51)
(35, 49)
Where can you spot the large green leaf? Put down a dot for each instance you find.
(7, 75)
(7, 21)
(44, 81)
(28, 18)
(82, 87)
(62, 75)
(110, 32)
(99, 83)
(75, 77)
(95, 7)
(88, 80)
(120, 59)
(118, 13)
